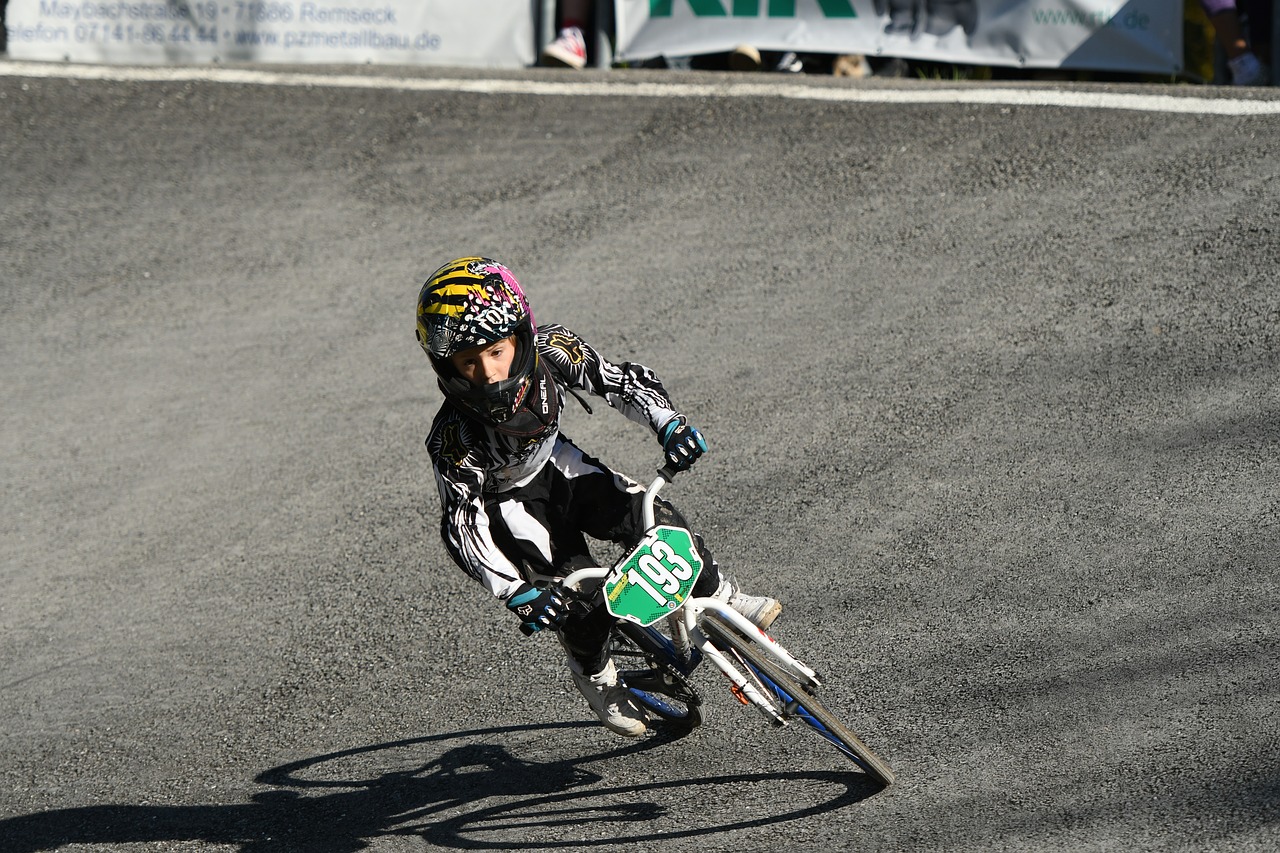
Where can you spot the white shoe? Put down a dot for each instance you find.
(761, 611)
(744, 57)
(569, 50)
(789, 63)
(611, 701)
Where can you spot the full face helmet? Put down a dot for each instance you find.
(476, 301)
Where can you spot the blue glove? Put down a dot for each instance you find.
(539, 608)
(681, 443)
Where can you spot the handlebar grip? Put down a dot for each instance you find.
(667, 473)
(526, 630)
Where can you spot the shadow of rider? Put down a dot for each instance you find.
(477, 787)
(286, 820)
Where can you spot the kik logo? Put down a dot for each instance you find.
(750, 8)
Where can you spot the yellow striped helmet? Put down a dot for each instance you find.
(468, 303)
(471, 302)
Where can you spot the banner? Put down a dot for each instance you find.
(1136, 36)
(482, 33)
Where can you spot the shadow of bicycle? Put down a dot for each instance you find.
(465, 790)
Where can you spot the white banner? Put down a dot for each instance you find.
(483, 33)
(1135, 36)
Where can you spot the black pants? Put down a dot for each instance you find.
(542, 527)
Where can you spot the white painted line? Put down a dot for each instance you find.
(975, 94)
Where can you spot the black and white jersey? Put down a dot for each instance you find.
(472, 459)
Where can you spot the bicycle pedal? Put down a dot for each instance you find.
(738, 694)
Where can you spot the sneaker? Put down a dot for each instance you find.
(896, 67)
(789, 63)
(851, 65)
(569, 50)
(1248, 70)
(761, 611)
(744, 57)
(611, 701)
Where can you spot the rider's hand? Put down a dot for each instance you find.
(682, 444)
(539, 608)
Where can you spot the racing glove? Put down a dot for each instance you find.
(539, 608)
(682, 444)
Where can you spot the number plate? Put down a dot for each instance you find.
(656, 578)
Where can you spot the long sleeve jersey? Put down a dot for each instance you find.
(471, 459)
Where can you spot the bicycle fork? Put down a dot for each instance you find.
(746, 687)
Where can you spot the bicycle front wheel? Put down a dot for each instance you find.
(793, 700)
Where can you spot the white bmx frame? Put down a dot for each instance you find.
(684, 625)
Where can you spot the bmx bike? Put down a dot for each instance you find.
(662, 634)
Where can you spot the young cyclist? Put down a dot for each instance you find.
(517, 496)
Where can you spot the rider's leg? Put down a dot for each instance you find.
(586, 643)
(586, 640)
(612, 508)
(537, 526)
(761, 610)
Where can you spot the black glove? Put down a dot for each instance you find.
(681, 443)
(539, 608)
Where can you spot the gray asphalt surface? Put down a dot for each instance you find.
(991, 395)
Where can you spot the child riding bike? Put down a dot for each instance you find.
(516, 495)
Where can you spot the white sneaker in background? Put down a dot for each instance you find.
(744, 57)
(789, 63)
(569, 50)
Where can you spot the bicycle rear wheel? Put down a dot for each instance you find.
(647, 664)
(793, 700)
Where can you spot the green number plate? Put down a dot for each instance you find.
(656, 578)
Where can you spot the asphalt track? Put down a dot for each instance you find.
(990, 387)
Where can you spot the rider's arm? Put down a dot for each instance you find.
(631, 388)
(464, 523)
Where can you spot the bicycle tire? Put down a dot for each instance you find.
(795, 701)
(658, 685)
